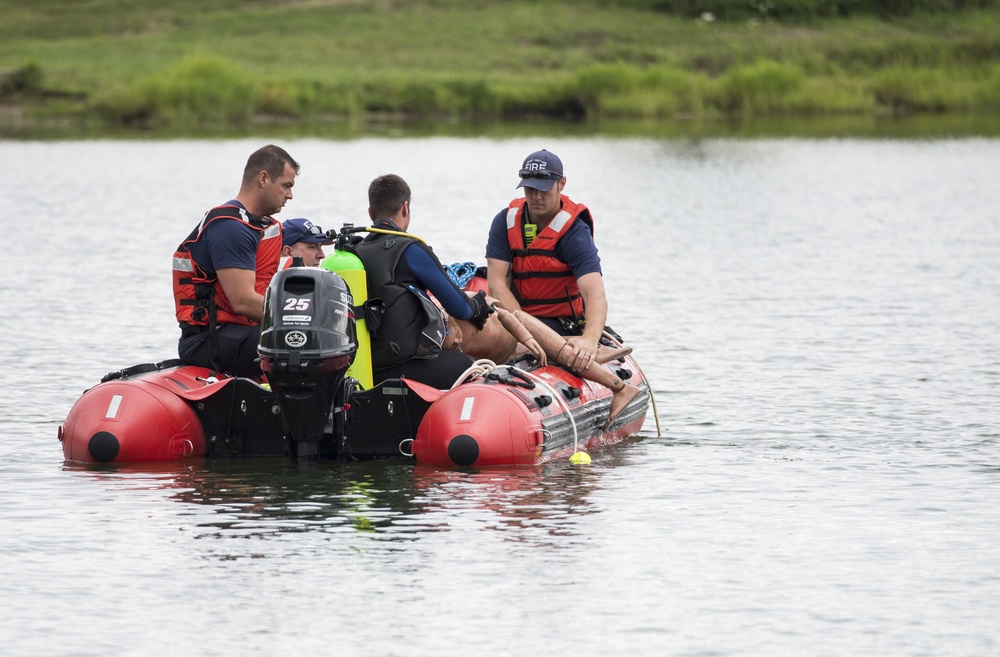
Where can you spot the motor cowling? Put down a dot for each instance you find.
(307, 342)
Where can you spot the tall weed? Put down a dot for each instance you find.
(905, 90)
(620, 90)
(763, 87)
(198, 90)
(986, 96)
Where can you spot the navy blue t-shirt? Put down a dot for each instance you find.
(576, 248)
(226, 244)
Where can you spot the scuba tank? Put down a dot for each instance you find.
(348, 265)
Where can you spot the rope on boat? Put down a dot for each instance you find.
(652, 399)
(484, 366)
(479, 368)
(460, 273)
(555, 395)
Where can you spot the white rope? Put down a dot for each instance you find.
(481, 367)
(556, 395)
(484, 366)
(649, 385)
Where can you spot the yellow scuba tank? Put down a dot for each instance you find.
(352, 270)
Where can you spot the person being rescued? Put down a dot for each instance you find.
(505, 335)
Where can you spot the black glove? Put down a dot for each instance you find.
(480, 309)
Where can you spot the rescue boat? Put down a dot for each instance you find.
(315, 402)
(515, 416)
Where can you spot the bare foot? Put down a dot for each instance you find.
(619, 401)
(608, 354)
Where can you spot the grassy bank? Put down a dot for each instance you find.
(184, 63)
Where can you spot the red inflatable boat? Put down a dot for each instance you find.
(312, 406)
(513, 416)
(507, 416)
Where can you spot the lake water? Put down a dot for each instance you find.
(819, 321)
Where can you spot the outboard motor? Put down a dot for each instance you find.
(307, 342)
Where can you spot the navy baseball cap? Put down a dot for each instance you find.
(540, 171)
(302, 230)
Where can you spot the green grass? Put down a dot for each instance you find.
(226, 62)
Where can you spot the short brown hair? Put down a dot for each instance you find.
(386, 195)
(268, 158)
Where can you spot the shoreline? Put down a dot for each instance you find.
(932, 126)
(109, 69)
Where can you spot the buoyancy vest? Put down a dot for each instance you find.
(542, 284)
(410, 325)
(197, 296)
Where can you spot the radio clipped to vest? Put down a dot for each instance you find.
(530, 231)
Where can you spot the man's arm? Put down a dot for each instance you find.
(596, 315)
(595, 305)
(498, 279)
(428, 270)
(232, 249)
(238, 286)
(498, 263)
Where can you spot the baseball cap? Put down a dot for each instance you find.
(540, 171)
(302, 230)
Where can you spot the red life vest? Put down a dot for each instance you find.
(543, 284)
(196, 295)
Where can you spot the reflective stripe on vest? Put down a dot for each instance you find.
(542, 284)
(194, 292)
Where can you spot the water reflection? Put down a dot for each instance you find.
(385, 500)
(818, 320)
(537, 505)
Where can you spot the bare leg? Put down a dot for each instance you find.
(554, 345)
(622, 392)
(608, 354)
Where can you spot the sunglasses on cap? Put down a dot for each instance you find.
(540, 174)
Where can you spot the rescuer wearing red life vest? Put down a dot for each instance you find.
(222, 269)
(541, 258)
(301, 238)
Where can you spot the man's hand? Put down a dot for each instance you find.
(481, 309)
(584, 352)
